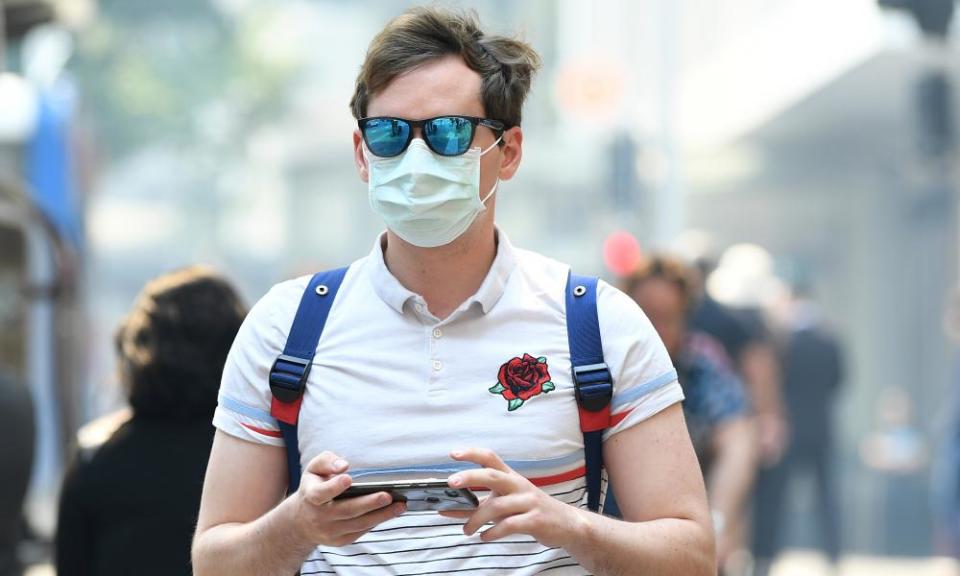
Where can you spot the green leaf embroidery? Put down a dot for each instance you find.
(497, 389)
(542, 359)
(547, 387)
(514, 404)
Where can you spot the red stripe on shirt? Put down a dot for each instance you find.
(547, 480)
(577, 472)
(558, 478)
(271, 433)
(618, 418)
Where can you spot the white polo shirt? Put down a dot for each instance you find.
(393, 390)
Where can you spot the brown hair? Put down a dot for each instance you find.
(419, 35)
(173, 343)
(661, 267)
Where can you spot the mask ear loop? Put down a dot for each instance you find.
(495, 184)
(492, 190)
(490, 147)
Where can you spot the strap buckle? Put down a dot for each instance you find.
(288, 377)
(594, 386)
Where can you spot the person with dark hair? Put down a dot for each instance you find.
(446, 353)
(716, 407)
(130, 496)
(17, 428)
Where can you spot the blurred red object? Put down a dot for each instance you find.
(621, 253)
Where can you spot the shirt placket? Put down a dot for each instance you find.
(436, 387)
(436, 362)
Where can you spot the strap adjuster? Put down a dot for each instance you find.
(594, 386)
(288, 377)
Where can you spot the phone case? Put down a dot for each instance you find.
(423, 496)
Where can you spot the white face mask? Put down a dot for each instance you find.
(427, 199)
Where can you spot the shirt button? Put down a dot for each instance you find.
(437, 332)
(437, 365)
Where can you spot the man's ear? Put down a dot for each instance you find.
(512, 151)
(358, 159)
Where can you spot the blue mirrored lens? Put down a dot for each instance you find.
(386, 136)
(449, 136)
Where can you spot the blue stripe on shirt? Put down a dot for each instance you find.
(239, 407)
(572, 459)
(631, 394)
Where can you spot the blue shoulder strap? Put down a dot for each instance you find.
(591, 377)
(288, 376)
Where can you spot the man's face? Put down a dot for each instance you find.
(445, 86)
(663, 304)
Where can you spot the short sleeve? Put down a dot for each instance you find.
(644, 379)
(243, 404)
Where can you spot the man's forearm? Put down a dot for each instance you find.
(667, 546)
(268, 546)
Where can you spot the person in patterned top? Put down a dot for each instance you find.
(716, 406)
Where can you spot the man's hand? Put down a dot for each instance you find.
(321, 520)
(514, 504)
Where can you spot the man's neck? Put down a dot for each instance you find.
(447, 275)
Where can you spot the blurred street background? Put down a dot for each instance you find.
(137, 136)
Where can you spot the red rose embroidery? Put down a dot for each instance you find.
(520, 379)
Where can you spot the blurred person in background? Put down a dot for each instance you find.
(945, 469)
(739, 324)
(812, 373)
(130, 496)
(424, 364)
(743, 332)
(16, 461)
(735, 294)
(716, 406)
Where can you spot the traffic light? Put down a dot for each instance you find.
(933, 16)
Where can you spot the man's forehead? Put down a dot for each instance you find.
(442, 86)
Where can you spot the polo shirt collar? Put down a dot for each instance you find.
(389, 289)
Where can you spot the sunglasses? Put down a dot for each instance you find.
(445, 135)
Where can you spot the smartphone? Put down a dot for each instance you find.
(428, 495)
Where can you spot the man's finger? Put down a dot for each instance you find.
(467, 513)
(326, 464)
(493, 510)
(495, 480)
(371, 519)
(318, 491)
(460, 514)
(347, 508)
(482, 456)
(512, 525)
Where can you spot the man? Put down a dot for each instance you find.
(434, 360)
(716, 406)
(812, 375)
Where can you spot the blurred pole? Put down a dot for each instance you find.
(624, 185)
(3, 37)
(669, 205)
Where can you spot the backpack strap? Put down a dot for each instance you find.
(591, 377)
(288, 376)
